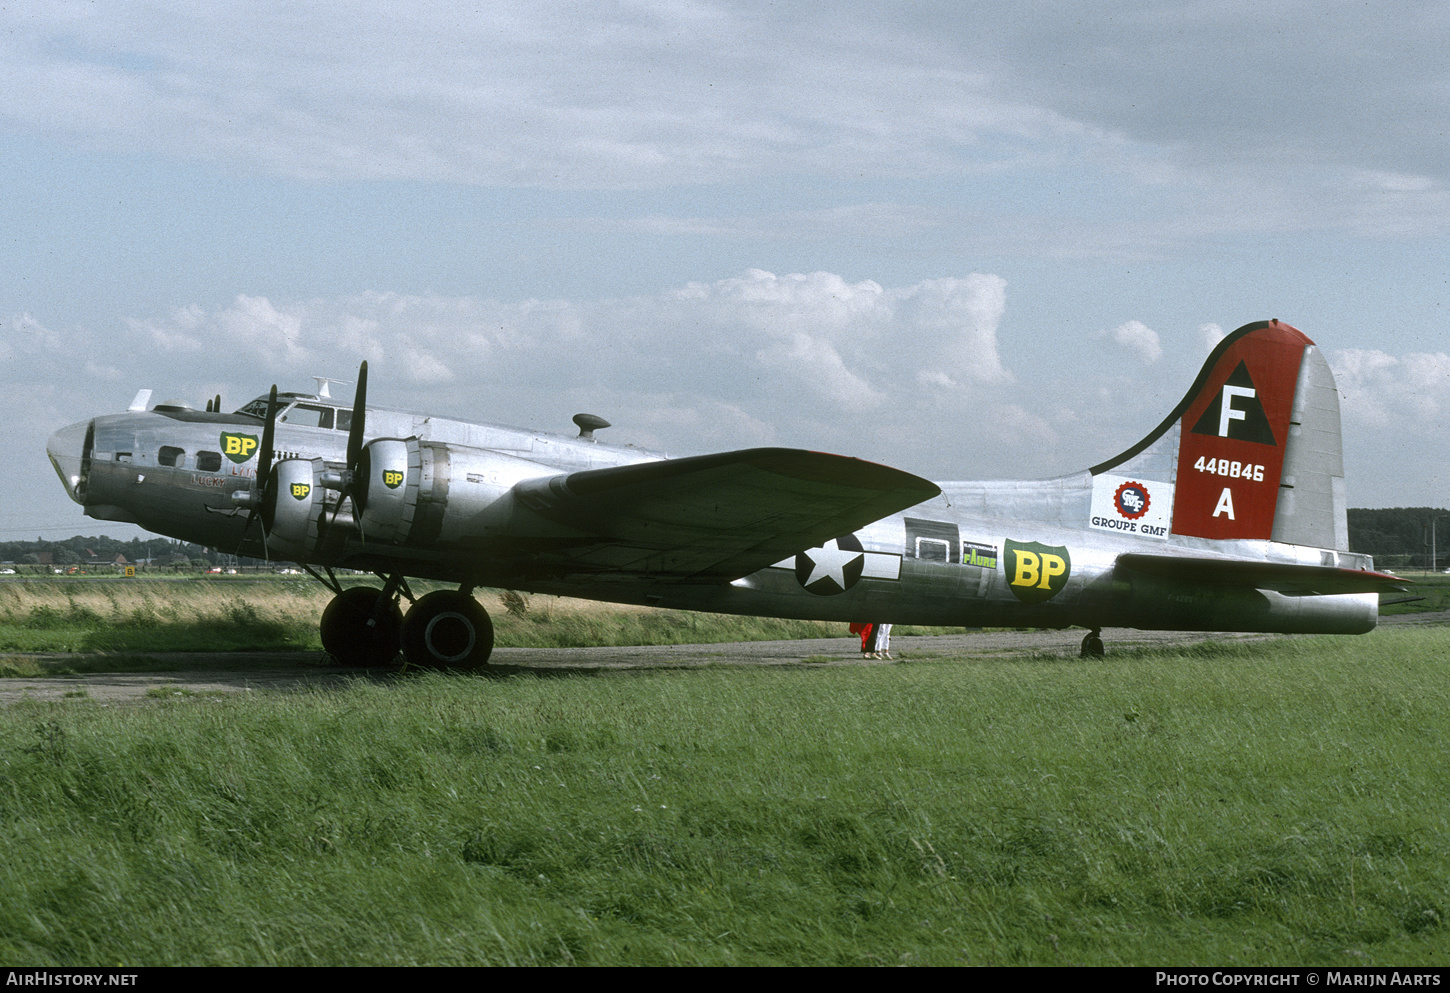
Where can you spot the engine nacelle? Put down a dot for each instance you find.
(292, 508)
(416, 492)
(386, 471)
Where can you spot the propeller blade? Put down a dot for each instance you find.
(359, 413)
(264, 469)
(264, 460)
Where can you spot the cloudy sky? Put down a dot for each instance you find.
(970, 240)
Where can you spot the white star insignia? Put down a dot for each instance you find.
(829, 562)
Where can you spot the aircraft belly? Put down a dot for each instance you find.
(779, 595)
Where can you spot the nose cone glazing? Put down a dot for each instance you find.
(66, 449)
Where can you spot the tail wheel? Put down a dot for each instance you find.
(352, 635)
(447, 630)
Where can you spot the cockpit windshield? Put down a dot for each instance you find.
(302, 413)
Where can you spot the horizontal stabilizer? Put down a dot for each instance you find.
(708, 517)
(1288, 578)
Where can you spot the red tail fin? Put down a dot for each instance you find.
(1252, 451)
(1234, 433)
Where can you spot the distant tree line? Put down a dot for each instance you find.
(1401, 536)
(80, 550)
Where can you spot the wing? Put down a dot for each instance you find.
(707, 518)
(1288, 578)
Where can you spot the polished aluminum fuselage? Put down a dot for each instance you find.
(944, 562)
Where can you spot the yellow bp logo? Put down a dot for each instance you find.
(392, 478)
(238, 447)
(1036, 572)
(300, 490)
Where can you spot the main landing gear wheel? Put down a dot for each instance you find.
(447, 629)
(352, 635)
(1092, 645)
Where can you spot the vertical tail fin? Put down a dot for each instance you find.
(1252, 451)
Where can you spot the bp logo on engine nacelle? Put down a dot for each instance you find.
(238, 447)
(392, 478)
(300, 490)
(1036, 572)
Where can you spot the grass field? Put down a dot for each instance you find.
(1276, 802)
(217, 616)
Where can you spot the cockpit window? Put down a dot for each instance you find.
(171, 456)
(307, 415)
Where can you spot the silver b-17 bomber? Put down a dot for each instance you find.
(1229, 516)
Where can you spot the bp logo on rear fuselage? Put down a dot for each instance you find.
(238, 447)
(1036, 572)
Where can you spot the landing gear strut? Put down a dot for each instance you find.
(1092, 645)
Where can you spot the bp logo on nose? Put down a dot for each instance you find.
(1036, 572)
(238, 447)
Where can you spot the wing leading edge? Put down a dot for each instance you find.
(706, 518)
(1289, 578)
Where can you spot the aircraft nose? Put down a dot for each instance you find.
(66, 449)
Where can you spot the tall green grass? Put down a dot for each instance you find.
(157, 616)
(204, 616)
(1274, 802)
(200, 616)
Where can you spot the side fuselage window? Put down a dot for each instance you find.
(931, 541)
(932, 550)
(169, 455)
(209, 461)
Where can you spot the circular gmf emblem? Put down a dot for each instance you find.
(833, 568)
(1131, 500)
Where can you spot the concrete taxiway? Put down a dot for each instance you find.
(243, 672)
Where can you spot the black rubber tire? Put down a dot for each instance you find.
(447, 630)
(1092, 647)
(346, 635)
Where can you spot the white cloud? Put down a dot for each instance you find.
(1409, 393)
(1137, 338)
(804, 358)
(664, 95)
(508, 94)
(103, 371)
